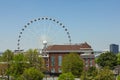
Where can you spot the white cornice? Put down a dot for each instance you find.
(49, 51)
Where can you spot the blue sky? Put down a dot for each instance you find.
(94, 21)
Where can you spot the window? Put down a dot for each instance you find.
(86, 62)
(59, 60)
(46, 65)
(90, 62)
(52, 60)
(53, 70)
(59, 70)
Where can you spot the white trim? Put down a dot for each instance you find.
(69, 51)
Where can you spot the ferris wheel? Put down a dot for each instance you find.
(42, 31)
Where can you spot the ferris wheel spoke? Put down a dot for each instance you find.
(49, 28)
(32, 32)
(27, 39)
(44, 28)
(55, 36)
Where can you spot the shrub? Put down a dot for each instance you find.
(66, 76)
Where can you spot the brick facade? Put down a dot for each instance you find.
(56, 53)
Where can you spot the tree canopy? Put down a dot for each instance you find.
(66, 76)
(7, 56)
(22, 64)
(105, 74)
(34, 59)
(90, 74)
(107, 59)
(118, 58)
(72, 63)
(18, 65)
(31, 74)
(98, 74)
(118, 77)
(6, 59)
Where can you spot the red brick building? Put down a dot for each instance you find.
(55, 53)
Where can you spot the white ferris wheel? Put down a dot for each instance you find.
(43, 31)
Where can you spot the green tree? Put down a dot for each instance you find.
(83, 76)
(118, 77)
(105, 74)
(18, 65)
(72, 63)
(7, 56)
(31, 74)
(90, 74)
(66, 76)
(34, 59)
(118, 58)
(0, 58)
(107, 59)
(21, 62)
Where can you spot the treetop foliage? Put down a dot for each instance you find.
(107, 59)
(32, 74)
(66, 76)
(72, 63)
(28, 63)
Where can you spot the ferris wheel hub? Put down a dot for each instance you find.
(44, 42)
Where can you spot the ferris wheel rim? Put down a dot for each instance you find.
(40, 19)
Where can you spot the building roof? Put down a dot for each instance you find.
(75, 47)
